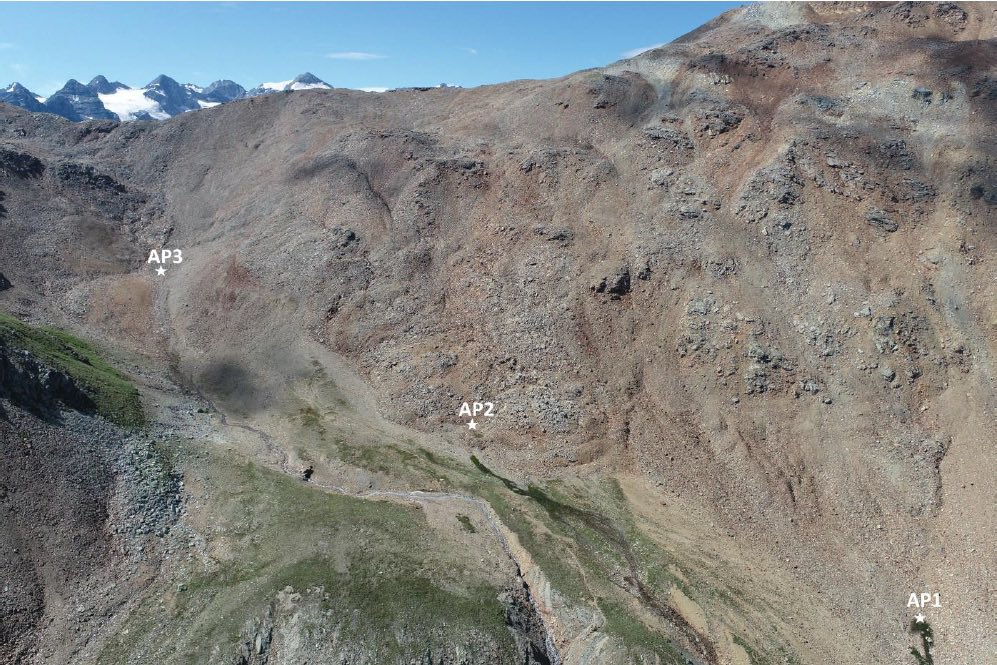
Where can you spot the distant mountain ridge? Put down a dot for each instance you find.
(18, 95)
(161, 98)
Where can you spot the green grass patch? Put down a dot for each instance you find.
(927, 635)
(753, 656)
(390, 582)
(637, 637)
(377, 601)
(546, 549)
(114, 395)
(601, 548)
(311, 419)
(585, 539)
(466, 522)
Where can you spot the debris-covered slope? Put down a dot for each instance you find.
(83, 500)
(750, 266)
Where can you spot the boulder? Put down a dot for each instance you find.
(616, 285)
(881, 220)
(20, 164)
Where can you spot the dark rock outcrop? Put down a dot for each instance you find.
(881, 220)
(37, 387)
(87, 176)
(20, 164)
(616, 285)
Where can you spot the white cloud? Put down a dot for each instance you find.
(355, 55)
(375, 88)
(7, 45)
(643, 49)
(471, 51)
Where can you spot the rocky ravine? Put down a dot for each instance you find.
(751, 265)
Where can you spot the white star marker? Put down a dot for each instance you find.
(472, 424)
(160, 271)
(920, 618)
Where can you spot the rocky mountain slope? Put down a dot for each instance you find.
(81, 496)
(730, 298)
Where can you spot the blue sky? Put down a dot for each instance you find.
(356, 45)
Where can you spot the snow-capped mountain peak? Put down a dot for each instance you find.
(306, 81)
(162, 98)
(18, 95)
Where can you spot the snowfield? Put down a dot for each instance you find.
(309, 86)
(280, 86)
(128, 104)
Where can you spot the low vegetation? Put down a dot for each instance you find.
(584, 538)
(927, 643)
(355, 558)
(114, 395)
(604, 559)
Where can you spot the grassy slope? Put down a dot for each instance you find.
(285, 533)
(565, 530)
(376, 560)
(547, 526)
(116, 397)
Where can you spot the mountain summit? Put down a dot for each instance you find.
(306, 81)
(223, 91)
(75, 101)
(18, 95)
(100, 85)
